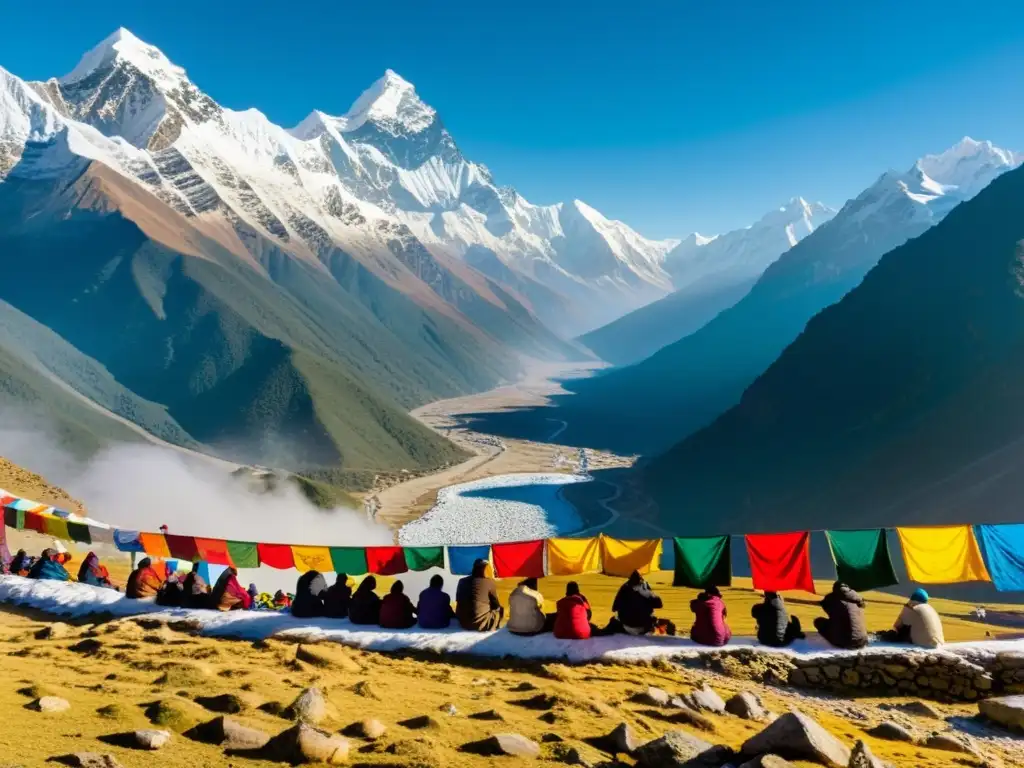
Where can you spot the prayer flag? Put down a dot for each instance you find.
(620, 557)
(155, 544)
(99, 534)
(780, 561)
(522, 558)
(461, 559)
(386, 561)
(79, 532)
(14, 517)
(34, 522)
(942, 555)
(127, 541)
(312, 559)
(276, 555)
(243, 554)
(1004, 554)
(213, 551)
(54, 526)
(422, 558)
(182, 547)
(569, 557)
(702, 562)
(349, 560)
(862, 558)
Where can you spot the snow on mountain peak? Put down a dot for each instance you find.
(392, 100)
(122, 45)
(967, 164)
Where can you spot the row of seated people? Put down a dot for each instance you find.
(51, 564)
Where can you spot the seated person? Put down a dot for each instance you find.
(49, 567)
(476, 600)
(196, 592)
(144, 581)
(775, 628)
(282, 601)
(309, 595)
(918, 623)
(364, 607)
(396, 609)
(709, 625)
(94, 573)
(634, 608)
(21, 563)
(228, 595)
(526, 610)
(434, 609)
(171, 593)
(254, 594)
(337, 597)
(845, 626)
(572, 619)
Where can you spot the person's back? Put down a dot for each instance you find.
(48, 569)
(772, 619)
(845, 626)
(364, 607)
(525, 610)
(396, 609)
(196, 590)
(144, 581)
(337, 598)
(572, 619)
(478, 608)
(228, 594)
(709, 626)
(309, 595)
(434, 609)
(921, 621)
(635, 604)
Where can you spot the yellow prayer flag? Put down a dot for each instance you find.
(621, 557)
(155, 544)
(942, 555)
(56, 527)
(312, 559)
(568, 557)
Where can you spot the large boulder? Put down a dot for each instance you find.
(229, 734)
(304, 744)
(654, 697)
(679, 749)
(1008, 711)
(705, 698)
(50, 704)
(891, 731)
(509, 744)
(797, 737)
(310, 706)
(622, 740)
(151, 739)
(747, 706)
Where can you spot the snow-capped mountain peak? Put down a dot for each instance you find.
(968, 165)
(391, 101)
(122, 45)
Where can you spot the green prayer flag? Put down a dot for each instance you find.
(350, 560)
(702, 562)
(862, 558)
(243, 554)
(422, 558)
(79, 532)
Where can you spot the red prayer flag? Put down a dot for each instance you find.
(182, 547)
(214, 551)
(522, 558)
(34, 522)
(780, 561)
(386, 561)
(276, 555)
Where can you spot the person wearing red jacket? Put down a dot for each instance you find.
(396, 609)
(228, 595)
(572, 620)
(710, 626)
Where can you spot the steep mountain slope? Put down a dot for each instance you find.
(711, 274)
(899, 404)
(649, 406)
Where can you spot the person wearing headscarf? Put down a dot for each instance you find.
(93, 572)
(337, 598)
(227, 594)
(282, 600)
(775, 627)
(364, 607)
(634, 606)
(434, 609)
(476, 600)
(845, 626)
(21, 563)
(196, 592)
(572, 619)
(144, 582)
(49, 567)
(709, 625)
(396, 609)
(526, 610)
(309, 595)
(918, 623)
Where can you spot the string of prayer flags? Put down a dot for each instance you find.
(862, 558)
(1004, 554)
(461, 559)
(424, 558)
(521, 559)
(942, 555)
(702, 562)
(55, 527)
(621, 557)
(349, 560)
(780, 561)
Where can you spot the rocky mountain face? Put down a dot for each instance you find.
(684, 386)
(898, 404)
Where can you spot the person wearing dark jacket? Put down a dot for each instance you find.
(634, 607)
(48, 567)
(337, 598)
(476, 600)
(310, 592)
(21, 563)
(845, 626)
(364, 607)
(93, 573)
(196, 592)
(775, 628)
(709, 625)
(396, 609)
(434, 609)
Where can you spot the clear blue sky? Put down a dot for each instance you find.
(672, 116)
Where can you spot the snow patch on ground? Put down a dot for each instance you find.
(516, 507)
(69, 599)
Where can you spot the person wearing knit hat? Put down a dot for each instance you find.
(918, 623)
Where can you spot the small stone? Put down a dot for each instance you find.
(420, 722)
(920, 709)
(621, 740)
(524, 688)
(684, 715)
(150, 739)
(1008, 711)
(51, 704)
(372, 729)
(551, 738)
(56, 631)
(747, 706)
(705, 698)
(832, 672)
(90, 760)
(226, 703)
(891, 731)
(229, 734)
(449, 709)
(309, 707)
(767, 761)
(304, 744)
(950, 743)
(861, 757)
(654, 697)
(487, 714)
(511, 744)
(478, 681)
(679, 749)
(797, 737)
(88, 647)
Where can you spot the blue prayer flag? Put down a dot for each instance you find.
(461, 559)
(1003, 546)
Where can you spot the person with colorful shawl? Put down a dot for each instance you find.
(196, 590)
(94, 573)
(228, 594)
(48, 567)
(144, 582)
